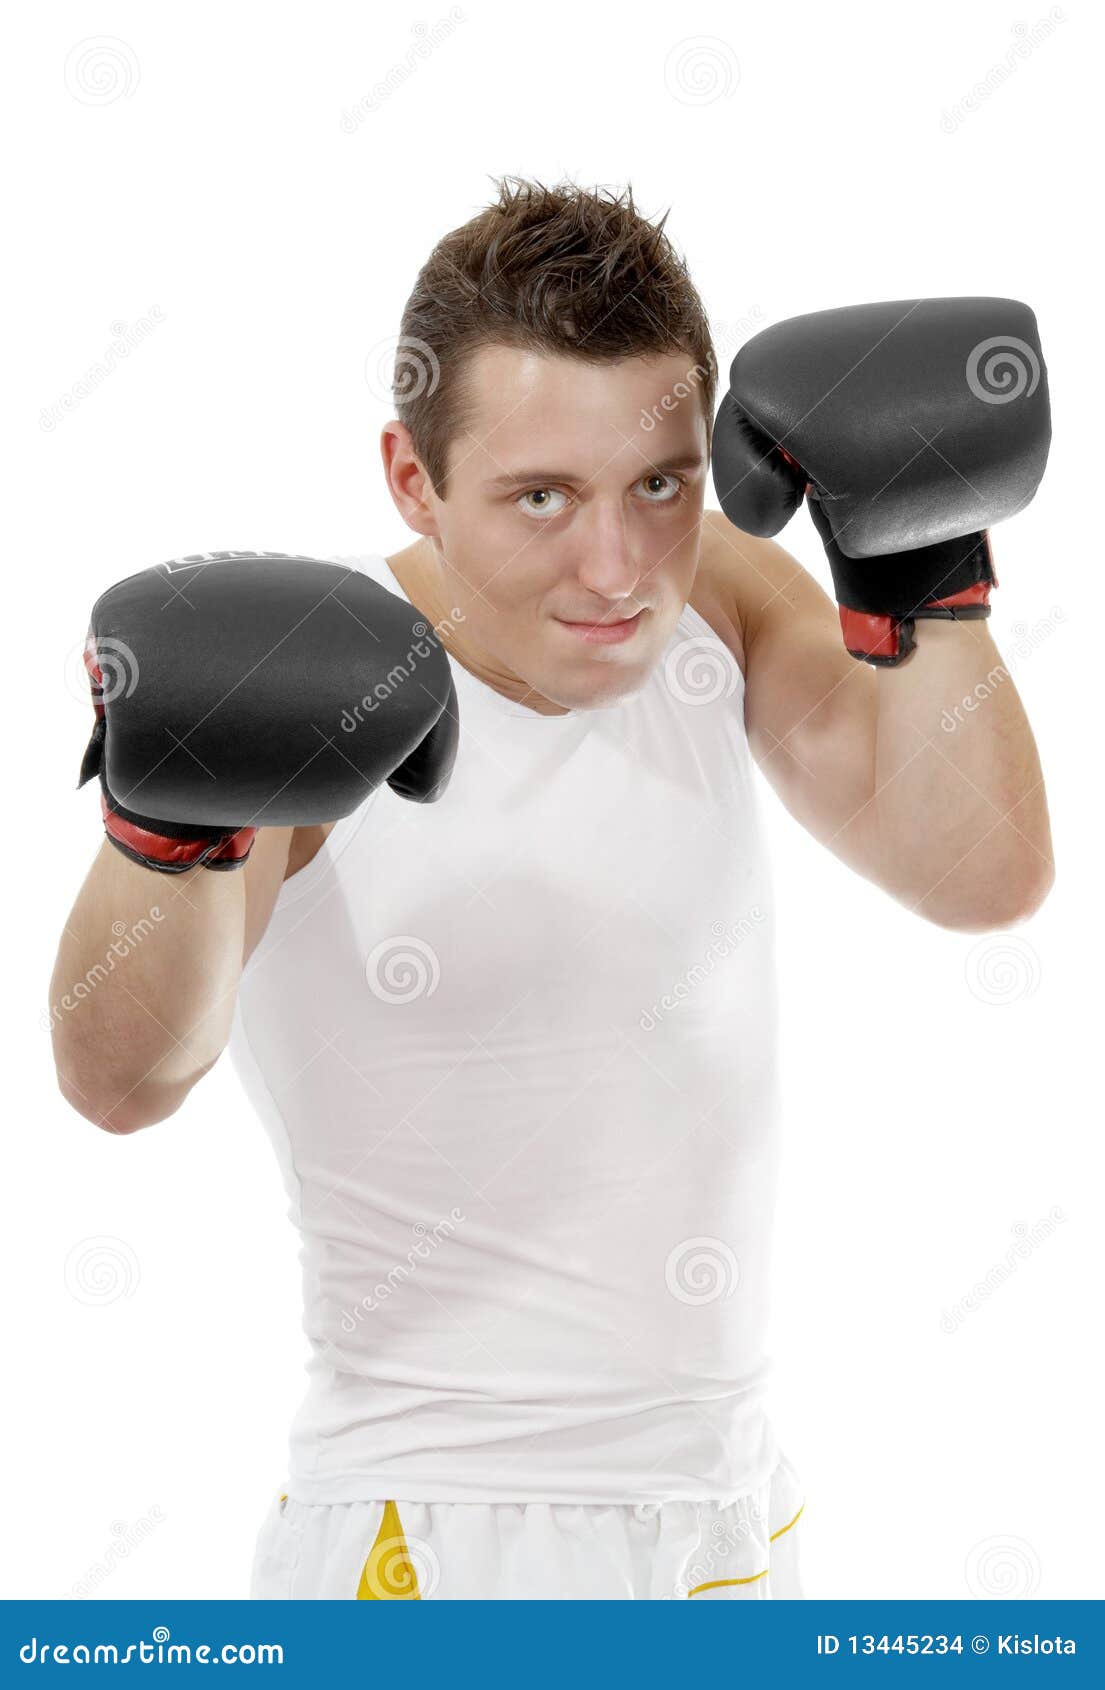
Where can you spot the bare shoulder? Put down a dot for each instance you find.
(744, 583)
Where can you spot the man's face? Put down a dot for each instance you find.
(569, 535)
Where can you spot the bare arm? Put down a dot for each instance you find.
(143, 990)
(925, 779)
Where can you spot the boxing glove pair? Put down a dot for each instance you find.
(246, 690)
(909, 428)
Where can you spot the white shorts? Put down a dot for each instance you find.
(508, 1551)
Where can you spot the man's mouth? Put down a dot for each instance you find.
(604, 633)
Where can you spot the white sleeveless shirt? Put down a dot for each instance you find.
(516, 1054)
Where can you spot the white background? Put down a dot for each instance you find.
(215, 169)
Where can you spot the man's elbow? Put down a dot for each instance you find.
(119, 1116)
(1005, 901)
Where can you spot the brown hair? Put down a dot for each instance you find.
(566, 270)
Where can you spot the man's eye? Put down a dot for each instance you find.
(659, 489)
(541, 501)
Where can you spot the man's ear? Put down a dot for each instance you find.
(408, 483)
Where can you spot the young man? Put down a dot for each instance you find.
(516, 1051)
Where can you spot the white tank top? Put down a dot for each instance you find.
(516, 1054)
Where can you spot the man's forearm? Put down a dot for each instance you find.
(143, 989)
(958, 825)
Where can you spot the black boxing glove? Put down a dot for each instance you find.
(245, 690)
(911, 427)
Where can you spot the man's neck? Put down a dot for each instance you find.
(418, 573)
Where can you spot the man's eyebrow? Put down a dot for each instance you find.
(546, 477)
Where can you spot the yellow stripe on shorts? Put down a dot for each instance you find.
(753, 1578)
(388, 1573)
